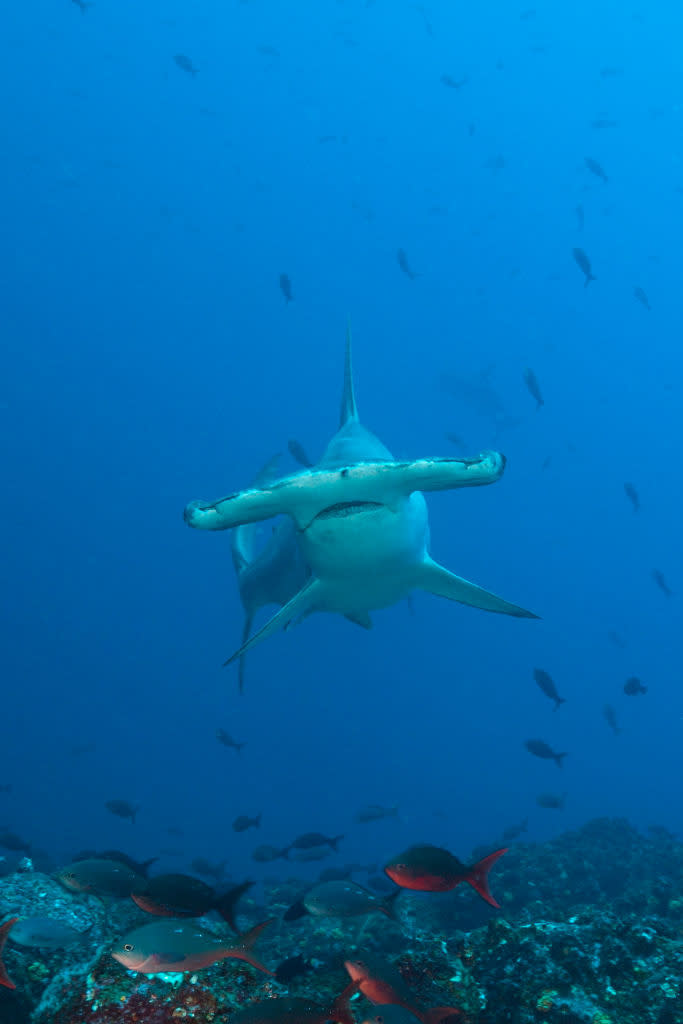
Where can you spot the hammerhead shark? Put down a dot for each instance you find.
(358, 521)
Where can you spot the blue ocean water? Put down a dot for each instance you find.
(149, 358)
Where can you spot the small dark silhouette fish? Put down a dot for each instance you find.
(170, 945)
(291, 968)
(515, 831)
(633, 686)
(658, 577)
(226, 739)
(265, 854)
(375, 812)
(454, 438)
(286, 287)
(82, 5)
(603, 122)
(595, 168)
(185, 64)
(615, 639)
(541, 749)
(610, 717)
(178, 895)
(632, 495)
(580, 218)
(584, 264)
(546, 684)
(309, 840)
(553, 801)
(297, 452)
(533, 387)
(454, 83)
(428, 868)
(11, 841)
(243, 822)
(122, 809)
(4, 932)
(495, 163)
(611, 72)
(404, 265)
(642, 297)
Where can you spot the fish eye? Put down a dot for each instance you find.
(128, 947)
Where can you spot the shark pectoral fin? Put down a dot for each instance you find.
(296, 609)
(246, 630)
(360, 619)
(433, 578)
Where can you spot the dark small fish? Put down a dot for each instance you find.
(170, 945)
(297, 452)
(495, 163)
(471, 128)
(122, 809)
(11, 841)
(226, 739)
(515, 831)
(541, 749)
(185, 64)
(291, 968)
(454, 439)
(204, 867)
(580, 218)
(375, 812)
(611, 72)
(615, 639)
(454, 83)
(428, 868)
(404, 265)
(642, 297)
(610, 717)
(178, 895)
(633, 686)
(533, 387)
(603, 122)
(265, 854)
(545, 681)
(4, 932)
(632, 495)
(595, 168)
(286, 287)
(553, 801)
(312, 839)
(584, 264)
(243, 822)
(323, 139)
(268, 51)
(82, 5)
(658, 577)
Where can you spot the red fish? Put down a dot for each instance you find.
(4, 932)
(381, 984)
(432, 869)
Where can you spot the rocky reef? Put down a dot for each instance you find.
(590, 931)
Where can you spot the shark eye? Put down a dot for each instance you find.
(128, 947)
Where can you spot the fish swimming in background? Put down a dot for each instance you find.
(633, 686)
(296, 450)
(11, 841)
(291, 968)
(545, 682)
(309, 840)
(453, 83)
(5, 928)
(615, 639)
(185, 64)
(226, 739)
(361, 525)
(658, 577)
(46, 933)
(427, 868)
(342, 898)
(382, 984)
(286, 287)
(642, 297)
(375, 812)
(266, 854)
(533, 387)
(178, 895)
(243, 822)
(515, 831)
(171, 945)
(632, 495)
(404, 265)
(610, 716)
(583, 264)
(579, 217)
(539, 748)
(122, 809)
(552, 801)
(595, 168)
(82, 5)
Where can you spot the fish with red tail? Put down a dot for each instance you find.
(432, 869)
(4, 932)
(172, 945)
(297, 1010)
(381, 983)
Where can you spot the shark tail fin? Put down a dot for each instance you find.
(439, 581)
(348, 403)
(297, 608)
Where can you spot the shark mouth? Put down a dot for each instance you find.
(343, 509)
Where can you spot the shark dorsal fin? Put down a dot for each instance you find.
(348, 403)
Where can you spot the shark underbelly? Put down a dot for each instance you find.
(366, 555)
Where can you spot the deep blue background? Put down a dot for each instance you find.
(148, 358)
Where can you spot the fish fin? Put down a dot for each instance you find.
(246, 630)
(360, 619)
(228, 901)
(340, 1010)
(477, 875)
(296, 608)
(134, 814)
(4, 932)
(435, 579)
(438, 1014)
(389, 905)
(558, 758)
(146, 865)
(243, 951)
(296, 911)
(558, 701)
(334, 842)
(348, 403)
